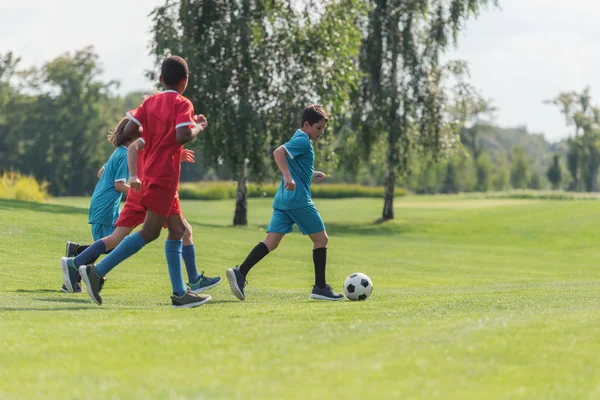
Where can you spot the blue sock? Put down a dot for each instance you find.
(189, 258)
(128, 247)
(90, 254)
(173, 253)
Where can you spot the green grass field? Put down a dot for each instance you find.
(473, 299)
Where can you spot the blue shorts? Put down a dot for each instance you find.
(308, 220)
(99, 231)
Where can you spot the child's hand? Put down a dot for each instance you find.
(201, 121)
(188, 156)
(319, 176)
(135, 183)
(288, 182)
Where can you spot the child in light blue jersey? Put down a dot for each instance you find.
(293, 205)
(104, 206)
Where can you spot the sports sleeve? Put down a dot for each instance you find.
(122, 170)
(184, 113)
(138, 115)
(297, 146)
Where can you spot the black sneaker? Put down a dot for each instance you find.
(189, 300)
(326, 293)
(93, 282)
(237, 282)
(71, 277)
(71, 250)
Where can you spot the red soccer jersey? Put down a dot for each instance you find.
(159, 116)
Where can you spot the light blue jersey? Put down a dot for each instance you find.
(301, 162)
(104, 207)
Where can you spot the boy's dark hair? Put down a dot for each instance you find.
(313, 114)
(117, 137)
(174, 69)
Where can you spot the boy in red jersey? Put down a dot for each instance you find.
(133, 215)
(168, 122)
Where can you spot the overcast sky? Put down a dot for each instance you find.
(520, 55)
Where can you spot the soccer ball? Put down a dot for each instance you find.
(358, 286)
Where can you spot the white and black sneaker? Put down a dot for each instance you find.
(325, 293)
(189, 300)
(93, 282)
(237, 282)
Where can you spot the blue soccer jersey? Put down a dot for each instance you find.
(301, 163)
(104, 207)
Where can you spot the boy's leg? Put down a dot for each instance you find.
(182, 298)
(320, 241)
(89, 254)
(280, 224)
(93, 275)
(310, 223)
(198, 283)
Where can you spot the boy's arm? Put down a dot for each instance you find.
(319, 176)
(280, 155)
(121, 186)
(132, 157)
(185, 134)
(132, 130)
(100, 172)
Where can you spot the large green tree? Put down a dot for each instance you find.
(401, 96)
(253, 66)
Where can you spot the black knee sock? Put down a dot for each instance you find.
(79, 249)
(258, 253)
(320, 260)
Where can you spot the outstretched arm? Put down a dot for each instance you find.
(185, 134)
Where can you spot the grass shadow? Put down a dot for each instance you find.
(63, 300)
(44, 309)
(375, 228)
(38, 291)
(7, 204)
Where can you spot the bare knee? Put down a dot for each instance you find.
(176, 231)
(272, 241)
(150, 234)
(321, 240)
(187, 236)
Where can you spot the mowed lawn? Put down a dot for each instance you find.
(473, 299)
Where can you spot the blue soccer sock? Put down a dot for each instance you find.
(128, 247)
(189, 258)
(173, 253)
(90, 254)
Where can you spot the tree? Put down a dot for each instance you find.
(535, 182)
(402, 88)
(501, 176)
(519, 169)
(253, 66)
(554, 172)
(484, 171)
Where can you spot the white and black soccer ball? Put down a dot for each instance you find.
(358, 286)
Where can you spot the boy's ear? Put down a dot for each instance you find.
(162, 82)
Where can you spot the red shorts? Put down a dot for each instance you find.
(162, 200)
(132, 214)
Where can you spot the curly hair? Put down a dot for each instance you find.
(117, 136)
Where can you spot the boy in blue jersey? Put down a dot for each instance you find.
(293, 205)
(104, 206)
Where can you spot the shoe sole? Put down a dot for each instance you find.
(88, 287)
(320, 297)
(204, 289)
(192, 305)
(65, 273)
(233, 284)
